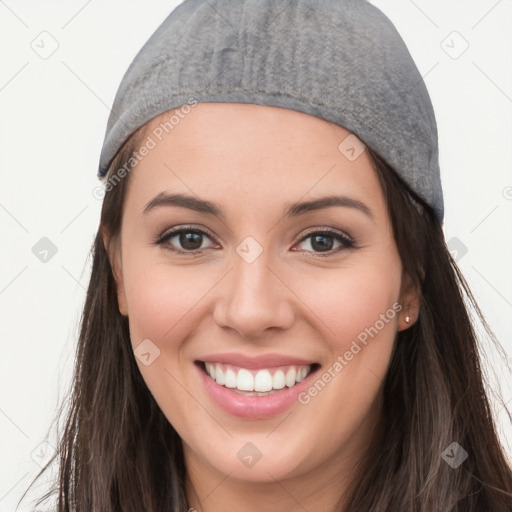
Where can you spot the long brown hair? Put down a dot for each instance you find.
(118, 452)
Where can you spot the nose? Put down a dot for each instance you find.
(253, 300)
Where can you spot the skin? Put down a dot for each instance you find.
(252, 161)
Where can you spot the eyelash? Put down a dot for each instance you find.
(346, 241)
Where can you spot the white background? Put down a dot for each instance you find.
(53, 117)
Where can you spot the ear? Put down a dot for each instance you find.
(410, 298)
(113, 249)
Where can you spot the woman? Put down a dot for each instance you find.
(273, 320)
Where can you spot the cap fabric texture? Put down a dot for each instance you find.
(339, 60)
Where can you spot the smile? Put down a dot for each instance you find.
(255, 388)
(251, 382)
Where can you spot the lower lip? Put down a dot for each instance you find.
(253, 407)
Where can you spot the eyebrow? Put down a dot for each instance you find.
(190, 202)
(297, 209)
(292, 210)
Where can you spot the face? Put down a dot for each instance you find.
(257, 266)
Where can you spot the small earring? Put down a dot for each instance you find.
(407, 319)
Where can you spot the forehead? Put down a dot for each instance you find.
(250, 154)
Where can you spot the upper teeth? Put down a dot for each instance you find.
(256, 380)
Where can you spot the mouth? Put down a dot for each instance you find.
(256, 382)
(255, 388)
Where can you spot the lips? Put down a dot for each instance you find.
(259, 362)
(255, 387)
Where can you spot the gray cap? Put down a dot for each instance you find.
(339, 60)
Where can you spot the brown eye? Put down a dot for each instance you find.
(325, 242)
(190, 241)
(186, 240)
(322, 243)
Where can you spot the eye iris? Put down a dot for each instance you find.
(190, 240)
(322, 243)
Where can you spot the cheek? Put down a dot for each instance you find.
(353, 300)
(359, 314)
(160, 297)
(164, 304)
